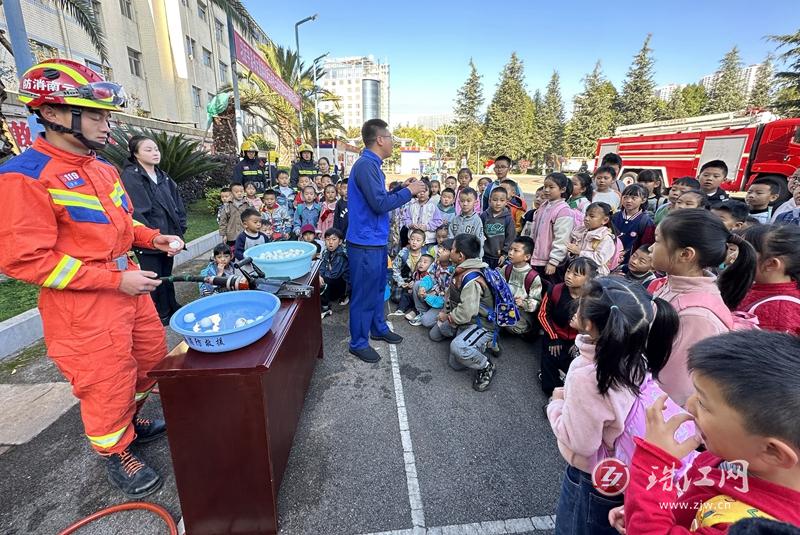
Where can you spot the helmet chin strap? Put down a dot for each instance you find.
(75, 130)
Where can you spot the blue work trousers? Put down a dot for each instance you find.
(368, 278)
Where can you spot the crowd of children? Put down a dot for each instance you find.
(645, 298)
(626, 285)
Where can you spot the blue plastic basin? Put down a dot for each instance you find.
(290, 267)
(230, 305)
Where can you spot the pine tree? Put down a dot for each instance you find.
(728, 91)
(505, 130)
(468, 116)
(592, 114)
(695, 99)
(787, 99)
(551, 119)
(676, 105)
(761, 95)
(638, 102)
(535, 149)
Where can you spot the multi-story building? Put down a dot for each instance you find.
(362, 85)
(748, 75)
(665, 92)
(171, 56)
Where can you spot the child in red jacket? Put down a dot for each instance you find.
(775, 296)
(751, 468)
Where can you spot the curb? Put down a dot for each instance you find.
(24, 329)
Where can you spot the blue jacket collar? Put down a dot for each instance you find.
(371, 155)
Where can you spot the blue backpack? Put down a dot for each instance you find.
(505, 312)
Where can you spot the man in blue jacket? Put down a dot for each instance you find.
(369, 205)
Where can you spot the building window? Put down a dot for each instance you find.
(98, 13)
(126, 6)
(207, 58)
(135, 62)
(42, 51)
(191, 46)
(96, 67)
(202, 11)
(223, 72)
(196, 97)
(219, 31)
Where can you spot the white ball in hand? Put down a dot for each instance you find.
(175, 244)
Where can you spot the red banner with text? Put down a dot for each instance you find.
(251, 59)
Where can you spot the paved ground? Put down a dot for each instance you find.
(380, 448)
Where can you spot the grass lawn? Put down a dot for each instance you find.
(200, 221)
(16, 297)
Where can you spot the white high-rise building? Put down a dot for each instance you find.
(749, 75)
(665, 92)
(362, 84)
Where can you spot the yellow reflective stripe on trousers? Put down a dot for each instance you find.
(141, 395)
(116, 195)
(71, 198)
(63, 273)
(107, 441)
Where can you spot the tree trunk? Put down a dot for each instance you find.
(223, 131)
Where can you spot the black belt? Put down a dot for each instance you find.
(359, 246)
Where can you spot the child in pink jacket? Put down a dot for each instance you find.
(595, 239)
(619, 343)
(552, 225)
(688, 242)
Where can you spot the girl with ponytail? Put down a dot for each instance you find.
(688, 243)
(625, 336)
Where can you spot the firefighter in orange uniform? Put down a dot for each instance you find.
(66, 225)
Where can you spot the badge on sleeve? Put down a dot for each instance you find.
(71, 179)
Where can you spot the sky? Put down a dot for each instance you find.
(428, 44)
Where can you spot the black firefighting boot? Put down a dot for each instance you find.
(130, 475)
(148, 430)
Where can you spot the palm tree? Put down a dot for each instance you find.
(286, 64)
(260, 100)
(86, 18)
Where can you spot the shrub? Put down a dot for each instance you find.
(212, 200)
(192, 189)
(181, 158)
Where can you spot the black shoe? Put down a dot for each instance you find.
(388, 336)
(130, 475)
(367, 354)
(483, 377)
(148, 430)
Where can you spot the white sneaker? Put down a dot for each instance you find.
(410, 315)
(397, 312)
(325, 314)
(344, 300)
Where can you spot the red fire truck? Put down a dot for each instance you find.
(752, 144)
